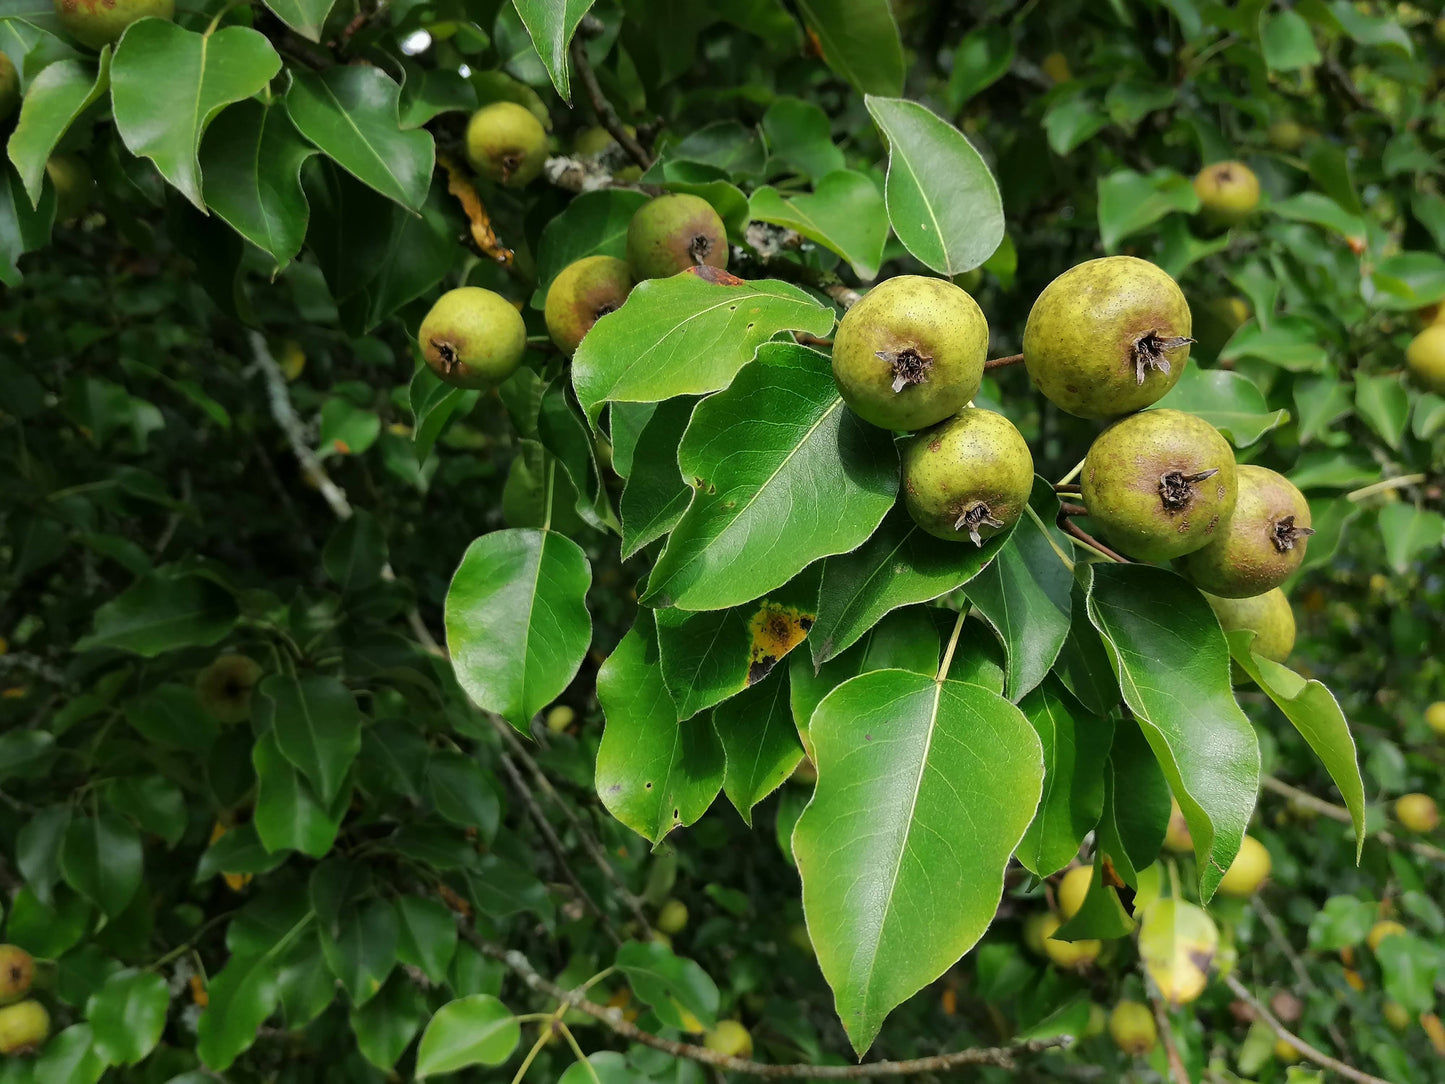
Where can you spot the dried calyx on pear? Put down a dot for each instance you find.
(1263, 544)
(968, 478)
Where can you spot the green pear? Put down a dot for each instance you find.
(967, 478)
(101, 22)
(74, 185)
(1108, 337)
(224, 687)
(1159, 483)
(1286, 135)
(910, 353)
(24, 1027)
(1228, 192)
(17, 971)
(672, 233)
(9, 88)
(584, 292)
(1269, 616)
(1425, 358)
(1262, 546)
(506, 143)
(473, 338)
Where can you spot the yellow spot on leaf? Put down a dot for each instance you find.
(775, 630)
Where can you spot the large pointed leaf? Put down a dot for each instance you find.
(1316, 714)
(924, 790)
(517, 621)
(127, 1015)
(252, 159)
(103, 860)
(552, 24)
(168, 84)
(654, 774)
(899, 565)
(687, 335)
(1024, 595)
(23, 228)
(760, 742)
(475, 1030)
(1172, 663)
(288, 815)
(942, 200)
(655, 496)
(1228, 401)
(1136, 804)
(783, 474)
(351, 114)
(306, 17)
(55, 97)
(317, 727)
(160, 613)
(859, 40)
(241, 996)
(671, 984)
(845, 214)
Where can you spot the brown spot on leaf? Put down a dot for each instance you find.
(715, 275)
(775, 630)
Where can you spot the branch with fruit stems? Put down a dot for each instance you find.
(1341, 814)
(605, 113)
(1306, 1051)
(1000, 1056)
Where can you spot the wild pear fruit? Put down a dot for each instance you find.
(506, 144)
(9, 87)
(1417, 812)
(473, 338)
(101, 22)
(1248, 870)
(17, 971)
(1132, 1027)
(1228, 192)
(1269, 616)
(24, 1027)
(224, 687)
(968, 478)
(586, 290)
(1425, 358)
(1263, 544)
(672, 233)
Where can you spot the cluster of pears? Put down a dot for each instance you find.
(1103, 341)
(475, 338)
(24, 1023)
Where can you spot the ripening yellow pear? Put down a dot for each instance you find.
(1396, 1015)
(729, 1038)
(1069, 954)
(1056, 67)
(1435, 717)
(1425, 358)
(1381, 930)
(1177, 838)
(1132, 1027)
(1248, 870)
(1417, 812)
(1285, 1052)
(672, 917)
(1072, 890)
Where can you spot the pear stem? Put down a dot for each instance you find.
(952, 643)
(1073, 473)
(1089, 541)
(999, 363)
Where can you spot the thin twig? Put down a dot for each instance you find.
(295, 432)
(605, 113)
(1318, 1057)
(1341, 814)
(1090, 542)
(1001, 363)
(1067, 509)
(1282, 942)
(613, 1019)
(1177, 1073)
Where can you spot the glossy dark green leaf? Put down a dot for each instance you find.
(656, 495)
(351, 114)
(517, 621)
(783, 473)
(288, 814)
(102, 859)
(356, 552)
(239, 851)
(69, 1058)
(1287, 41)
(670, 984)
(1384, 404)
(171, 715)
(859, 40)
(845, 213)
(463, 793)
(306, 17)
(942, 200)
(501, 888)
(800, 138)
(158, 65)
(654, 774)
(475, 1030)
(251, 159)
(23, 227)
(48, 930)
(153, 802)
(1130, 202)
(1229, 401)
(361, 950)
(902, 866)
(316, 725)
(161, 613)
(37, 849)
(981, 58)
(426, 936)
(386, 1025)
(759, 742)
(551, 23)
(1172, 663)
(127, 1016)
(1076, 745)
(55, 98)
(686, 335)
(241, 996)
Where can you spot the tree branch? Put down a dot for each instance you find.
(1341, 814)
(1003, 1056)
(1319, 1058)
(605, 113)
(1177, 1073)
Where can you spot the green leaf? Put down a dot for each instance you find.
(1290, 342)
(1229, 401)
(1319, 209)
(1343, 921)
(1411, 966)
(251, 159)
(55, 98)
(1287, 41)
(1316, 714)
(1076, 745)
(1384, 404)
(654, 774)
(1172, 664)
(153, 802)
(386, 1025)
(656, 495)
(783, 473)
(1101, 915)
(306, 17)
(859, 41)
(686, 336)
(463, 793)
(346, 429)
(1130, 202)
(288, 814)
(942, 200)
(102, 859)
(37, 848)
(845, 214)
(23, 228)
(924, 790)
(501, 888)
(981, 59)
(1409, 532)
(427, 936)
(355, 553)
(241, 996)
(127, 1016)
(670, 984)
(159, 65)
(899, 565)
(593, 224)
(800, 138)
(1136, 804)
(475, 1030)
(1024, 595)
(316, 726)
(551, 23)
(1072, 119)
(238, 851)
(1405, 281)
(603, 1067)
(46, 931)
(170, 715)
(361, 949)
(759, 741)
(351, 114)
(69, 1058)
(161, 613)
(517, 621)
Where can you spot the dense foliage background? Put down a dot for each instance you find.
(217, 440)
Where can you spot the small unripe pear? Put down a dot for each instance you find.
(585, 291)
(729, 1038)
(1286, 134)
(1435, 717)
(102, 22)
(1381, 930)
(1248, 870)
(590, 142)
(1396, 1015)
(1177, 837)
(473, 338)
(1056, 67)
(74, 185)
(1263, 544)
(1068, 954)
(1072, 890)
(1268, 616)
(1108, 337)
(1132, 1027)
(1285, 1052)
(9, 87)
(968, 478)
(910, 353)
(506, 144)
(672, 917)
(1417, 812)
(224, 687)
(1425, 358)
(560, 718)
(1228, 192)
(1098, 1021)
(17, 971)
(672, 233)
(1160, 483)
(24, 1027)
(1033, 931)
